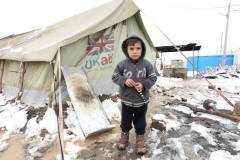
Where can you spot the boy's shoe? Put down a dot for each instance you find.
(140, 147)
(123, 141)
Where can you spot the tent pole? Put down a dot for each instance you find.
(1, 74)
(60, 109)
(21, 78)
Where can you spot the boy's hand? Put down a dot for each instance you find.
(130, 83)
(139, 86)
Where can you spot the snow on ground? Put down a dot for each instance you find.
(73, 124)
(236, 145)
(196, 148)
(168, 83)
(72, 152)
(216, 118)
(3, 141)
(195, 92)
(12, 117)
(177, 146)
(112, 109)
(49, 121)
(188, 135)
(182, 109)
(203, 131)
(223, 155)
(169, 123)
(231, 85)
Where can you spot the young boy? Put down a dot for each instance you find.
(135, 76)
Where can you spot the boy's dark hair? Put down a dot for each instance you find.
(131, 41)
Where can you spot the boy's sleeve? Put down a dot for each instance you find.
(117, 76)
(151, 77)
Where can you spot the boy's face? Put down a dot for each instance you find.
(134, 51)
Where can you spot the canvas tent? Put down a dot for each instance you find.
(91, 40)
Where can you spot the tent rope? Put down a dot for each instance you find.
(219, 92)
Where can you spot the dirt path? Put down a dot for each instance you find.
(14, 150)
(102, 146)
(52, 152)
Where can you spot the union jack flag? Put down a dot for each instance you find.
(104, 44)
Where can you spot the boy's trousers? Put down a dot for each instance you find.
(137, 115)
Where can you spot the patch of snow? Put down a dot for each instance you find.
(38, 145)
(229, 135)
(170, 124)
(2, 100)
(3, 146)
(17, 121)
(73, 123)
(222, 104)
(177, 146)
(156, 151)
(196, 148)
(78, 131)
(199, 96)
(5, 136)
(216, 118)
(72, 152)
(67, 136)
(153, 135)
(33, 128)
(183, 109)
(203, 131)
(50, 121)
(236, 145)
(3, 141)
(223, 155)
(12, 117)
(168, 83)
(112, 110)
(72, 149)
(34, 151)
(230, 85)
(194, 101)
(143, 158)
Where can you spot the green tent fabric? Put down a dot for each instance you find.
(86, 40)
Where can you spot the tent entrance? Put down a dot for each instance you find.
(89, 110)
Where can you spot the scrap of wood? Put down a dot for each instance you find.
(216, 113)
(89, 110)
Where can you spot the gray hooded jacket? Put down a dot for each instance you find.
(140, 71)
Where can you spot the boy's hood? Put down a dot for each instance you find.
(124, 47)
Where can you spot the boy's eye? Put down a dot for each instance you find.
(138, 48)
